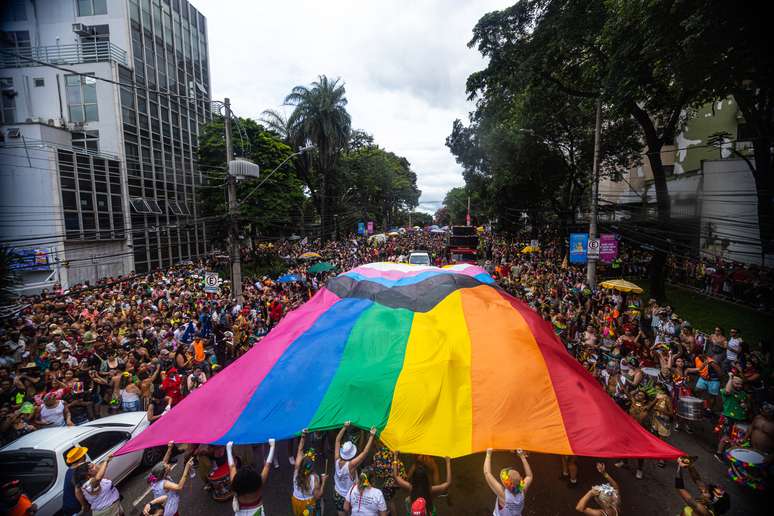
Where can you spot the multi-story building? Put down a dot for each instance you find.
(102, 102)
(711, 188)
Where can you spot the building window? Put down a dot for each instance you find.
(82, 98)
(38, 83)
(7, 101)
(88, 140)
(15, 39)
(92, 7)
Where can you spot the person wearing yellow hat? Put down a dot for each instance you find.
(72, 498)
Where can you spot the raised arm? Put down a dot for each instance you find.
(606, 476)
(267, 462)
(362, 455)
(232, 469)
(399, 479)
(582, 505)
(444, 486)
(337, 447)
(493, 483)
(172, 486)
(320, 489)
(96, 479)
(729, 384)
(527, 469)
(300, 451)
(168, 454)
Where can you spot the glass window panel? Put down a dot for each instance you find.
(71, 221)
(89, 92)
(90, 113)
(69, 201)
(87, 203)
(102, 202)
(67, 182)
(89, 222)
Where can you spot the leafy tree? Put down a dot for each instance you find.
(441, 216)
(626, 53)
(320, 116)
(374, 184)
(275, 208)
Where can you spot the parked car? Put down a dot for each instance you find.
(38, 458)
(419, 258)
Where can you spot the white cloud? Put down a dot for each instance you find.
(404, 64)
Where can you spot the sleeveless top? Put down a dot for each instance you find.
(173, 497)
(342, 479)
(298, 494)
(53, 416)
(514, 504)
(253, 510)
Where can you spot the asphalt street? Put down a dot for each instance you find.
(469, 494)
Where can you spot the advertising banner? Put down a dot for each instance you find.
(361, 228)
(578, 245)
(370, 227)
(608, 247)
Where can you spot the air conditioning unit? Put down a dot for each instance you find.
(81, 29)
(59, 122)
(75, 126)
(14, 132)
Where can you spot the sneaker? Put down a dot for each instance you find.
(638, 474)
(619, 464)
(573, 483)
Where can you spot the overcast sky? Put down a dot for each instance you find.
(404, 64)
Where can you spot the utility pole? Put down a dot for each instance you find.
(467, 216)
(591, 263)
(236, 259)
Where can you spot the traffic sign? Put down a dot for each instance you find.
(211, 282)
(592, 251)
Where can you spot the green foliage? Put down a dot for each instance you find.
(374, 184)
(275, 208)
(320, 117)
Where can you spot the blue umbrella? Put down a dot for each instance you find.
(289, 278)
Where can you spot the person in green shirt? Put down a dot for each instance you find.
(736, 409)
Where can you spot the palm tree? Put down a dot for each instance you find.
(320, 116)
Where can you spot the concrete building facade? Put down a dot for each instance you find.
(122, 82)
(711, 188)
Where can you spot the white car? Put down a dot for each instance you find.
(419, 258)
(38, 458)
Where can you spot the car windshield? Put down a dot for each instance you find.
(35, 469)
(419, 259)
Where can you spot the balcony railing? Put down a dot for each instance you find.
(86, 52)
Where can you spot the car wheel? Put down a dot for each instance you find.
(152, 456)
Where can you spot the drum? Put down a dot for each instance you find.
(690, 408)
(746, 468)
(221, 484)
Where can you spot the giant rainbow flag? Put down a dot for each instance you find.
(440, 361)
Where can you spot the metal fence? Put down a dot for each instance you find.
(85, 52)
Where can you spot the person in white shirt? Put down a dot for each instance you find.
(345, 466)
(363, 499)
(99, 492)
(733, 346)
(511, 488)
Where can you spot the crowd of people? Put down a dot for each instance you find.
(144, 342)
(743, 283)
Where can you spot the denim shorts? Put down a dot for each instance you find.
(711, 386)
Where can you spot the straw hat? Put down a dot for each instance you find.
(76, 454)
